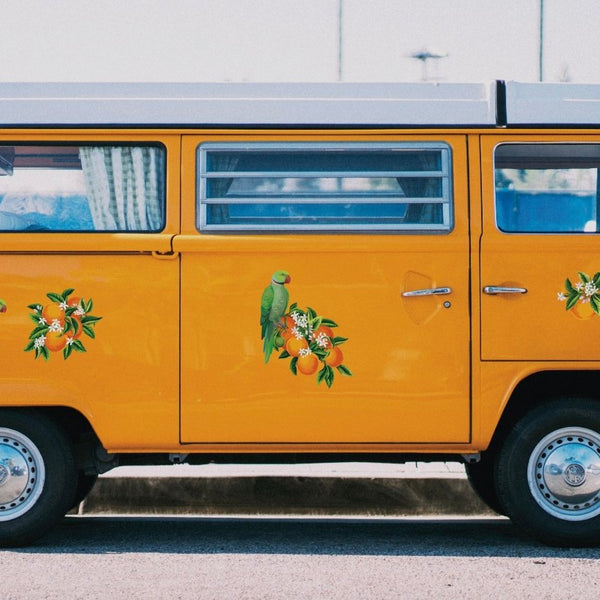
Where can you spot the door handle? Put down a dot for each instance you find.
(441, 291)
(165, 255)
(492, 290)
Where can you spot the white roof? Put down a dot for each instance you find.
(552, 103)
(253, 104)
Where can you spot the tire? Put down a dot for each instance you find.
(84, 486)
(481, 478)
(37, 476)
(548, 473)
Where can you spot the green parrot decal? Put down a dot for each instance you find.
(273, 305)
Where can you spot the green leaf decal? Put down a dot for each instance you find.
(316, 323)
(329, 323)
(329, 376)
(78, 346)
(88, 319)
(572, 301)
(320, 353)
(584, 277)
(569, 287)
(344, 370)
(40, 330)
(321, 374)
(89, 331)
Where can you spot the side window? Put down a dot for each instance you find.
(346, 187)
(82, 188)
(547, 188)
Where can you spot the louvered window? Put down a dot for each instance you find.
(342, 187)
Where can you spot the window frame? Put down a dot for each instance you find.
(445, 174)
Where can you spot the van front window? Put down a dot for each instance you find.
(547, 188)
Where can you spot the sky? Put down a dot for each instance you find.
(297, 40)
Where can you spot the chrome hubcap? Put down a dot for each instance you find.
(564, 474)
(22, 474)
(4, 474)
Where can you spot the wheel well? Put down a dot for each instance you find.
(72, 422)
(77, 428)
(540, 388)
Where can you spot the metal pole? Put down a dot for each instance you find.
(340, 39)
(541, 56)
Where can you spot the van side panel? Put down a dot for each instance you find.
(124, 379)
(408, 355)
(89, 319)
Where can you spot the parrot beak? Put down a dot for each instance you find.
(288, 279)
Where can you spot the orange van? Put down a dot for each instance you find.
(301, 272)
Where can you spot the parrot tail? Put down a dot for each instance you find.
(269, 341)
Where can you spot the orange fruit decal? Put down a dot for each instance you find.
(55, 341)
(53, 312)
(308, 363)
(335, 357)
(294, 345)
(59, 325)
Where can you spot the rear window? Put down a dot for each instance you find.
(324, 187)
(547, 188)
(65, 187)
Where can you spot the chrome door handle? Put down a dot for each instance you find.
(498, 289)
(441, 291)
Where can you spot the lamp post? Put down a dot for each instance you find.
(340, 57)
(541, 49)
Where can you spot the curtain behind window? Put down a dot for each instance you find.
(422, 188)
(219, 213)
(125, 186)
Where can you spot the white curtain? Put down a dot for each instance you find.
(219, 213)
(125, 187)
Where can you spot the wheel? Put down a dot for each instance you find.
(37, 476)
(548, 473)
(84, 486)
(481, 478)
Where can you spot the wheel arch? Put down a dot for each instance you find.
(540, 388)
(75, 425)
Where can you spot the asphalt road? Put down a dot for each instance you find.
(191, 557)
